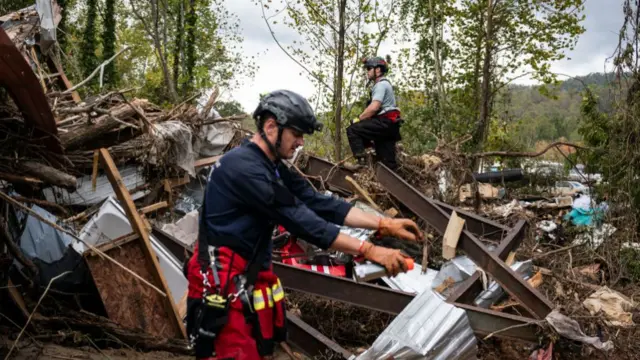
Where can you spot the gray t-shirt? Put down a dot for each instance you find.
(383, 91)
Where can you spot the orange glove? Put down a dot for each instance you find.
(391, 259)
(400, 228)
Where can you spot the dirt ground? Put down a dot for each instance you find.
(30, 350)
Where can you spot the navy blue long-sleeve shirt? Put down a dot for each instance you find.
(244, 199)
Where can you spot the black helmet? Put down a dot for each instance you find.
(290, 110)
(376, 61)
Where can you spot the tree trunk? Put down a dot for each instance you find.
(476, 73)
(162, 58)
(179, 40)
(109, 42)
(48, 174)
(339, 81)
(483, 124)
(436, 54)
(103, 124)
(190, 54)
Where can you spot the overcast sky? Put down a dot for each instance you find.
(277, 71)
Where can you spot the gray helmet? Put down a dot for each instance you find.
(290, 110)
(376, 61)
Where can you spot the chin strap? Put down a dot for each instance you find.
(273, 148)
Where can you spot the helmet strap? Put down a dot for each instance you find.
(273, 148)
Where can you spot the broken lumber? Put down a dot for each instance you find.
(154, 207)
(103, 124)
(206, 161)
(362, 192)
(452, 235)
(49, 175)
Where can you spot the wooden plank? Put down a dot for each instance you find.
(362, 192)
(206, 161)
(127, 300)
(104, 247)
(154, 207)
(94, 173)
(452, 235)
(139, 228)
(174, 182)
(54, 65)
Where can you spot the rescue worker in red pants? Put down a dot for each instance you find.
(380, 121)
(235, 305)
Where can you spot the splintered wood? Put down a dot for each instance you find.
(451, 236)
(127, 300)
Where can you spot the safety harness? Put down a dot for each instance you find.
(213, 314)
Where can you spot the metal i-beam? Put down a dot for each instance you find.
(470, 288)
(476, 224)
(311, 341)
(422, 206)
(482, 321)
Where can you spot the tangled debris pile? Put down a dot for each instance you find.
(99, 205)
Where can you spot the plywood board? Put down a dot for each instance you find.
(127, 300)
(140, 228)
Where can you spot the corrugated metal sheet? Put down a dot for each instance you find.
(131, 176)
(428, 328)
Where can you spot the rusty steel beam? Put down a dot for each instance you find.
(311, 341)
(482, 321)
(330, 173)
(373, 297)
(485, 322)
(341, 289)
(422, 206)
(470, 288)
(476, 224)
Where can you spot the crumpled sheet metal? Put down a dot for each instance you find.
(360, 234)
(428, 328)
(413, 281)
(495, 292)
(457, 270)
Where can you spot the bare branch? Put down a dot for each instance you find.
(287, 53)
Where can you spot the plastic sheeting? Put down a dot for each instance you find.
(175, 138)
(49, 14)
(214, 138)
(111, 223)
(41, 241)
(428, 328)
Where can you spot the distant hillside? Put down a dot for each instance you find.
(533, 116)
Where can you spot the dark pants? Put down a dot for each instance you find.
(384, 134)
